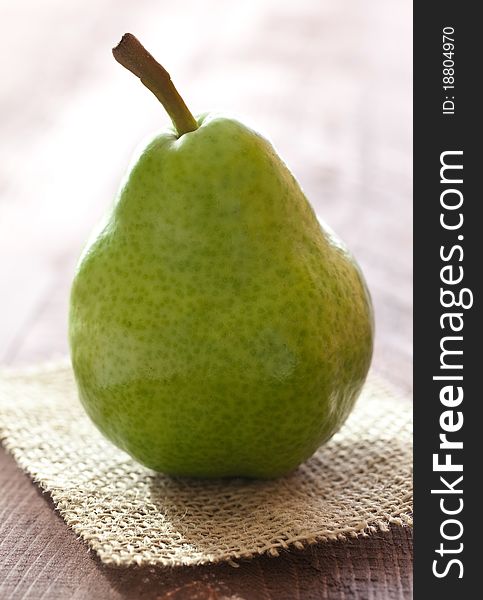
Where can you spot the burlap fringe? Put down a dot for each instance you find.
(358, 484)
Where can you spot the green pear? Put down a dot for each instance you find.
(216, 327)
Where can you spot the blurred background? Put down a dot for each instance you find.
(329, 81)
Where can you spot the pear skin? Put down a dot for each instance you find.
(216, 327)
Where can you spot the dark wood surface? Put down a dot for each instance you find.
(41, 558)
(330, 82)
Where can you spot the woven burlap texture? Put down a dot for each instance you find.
(361, 481)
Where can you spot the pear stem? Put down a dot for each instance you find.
(132, 55)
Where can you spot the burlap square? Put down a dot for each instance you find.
(358, 483)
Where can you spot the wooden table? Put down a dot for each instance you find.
(331, 83)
